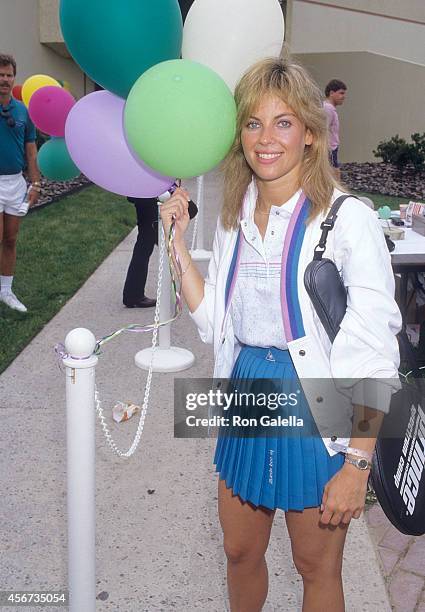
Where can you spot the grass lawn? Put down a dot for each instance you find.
(59, 247)
(382, 200)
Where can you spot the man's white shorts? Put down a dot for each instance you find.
(13, 191)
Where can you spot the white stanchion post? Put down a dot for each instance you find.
(167, 358)
(199, 253)
(80, 433)
(164, 332)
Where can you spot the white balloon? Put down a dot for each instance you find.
(231, 35)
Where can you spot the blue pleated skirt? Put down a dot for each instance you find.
(287, 471)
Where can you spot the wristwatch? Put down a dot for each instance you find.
(359, 463)
(36, 186)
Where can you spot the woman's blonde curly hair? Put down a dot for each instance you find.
(292, 84)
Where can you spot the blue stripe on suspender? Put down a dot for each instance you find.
(291, 281)
(232, 269)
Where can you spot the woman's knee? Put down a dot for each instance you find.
(321, 567)
(242, 553)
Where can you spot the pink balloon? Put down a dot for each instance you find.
(49, 107)
(96, 142)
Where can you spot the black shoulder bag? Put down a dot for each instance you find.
(322, 281)
(398, 462)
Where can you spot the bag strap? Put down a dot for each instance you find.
(408, 353)
(327, 225)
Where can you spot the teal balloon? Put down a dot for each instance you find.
(384, 212)
(115, 41)
(55, 162)
(180, 118)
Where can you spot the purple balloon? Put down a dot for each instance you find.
(49, 107)
(96, 142)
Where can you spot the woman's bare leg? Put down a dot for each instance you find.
(246, 531)
(317, 553)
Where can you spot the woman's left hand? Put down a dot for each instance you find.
(344, 496)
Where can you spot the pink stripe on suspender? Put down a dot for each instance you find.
(285, 253)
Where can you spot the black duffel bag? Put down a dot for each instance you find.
(398, 462)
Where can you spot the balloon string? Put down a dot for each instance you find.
(176, 283)
(176, 296)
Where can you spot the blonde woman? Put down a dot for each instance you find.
(253, 307)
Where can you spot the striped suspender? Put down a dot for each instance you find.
(291, 311)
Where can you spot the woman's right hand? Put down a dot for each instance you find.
(176, 208)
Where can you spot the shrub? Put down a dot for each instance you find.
(400, 153)
(419, 140)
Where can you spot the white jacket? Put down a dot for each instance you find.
(366, 345)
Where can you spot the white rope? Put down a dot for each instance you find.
(99, 410)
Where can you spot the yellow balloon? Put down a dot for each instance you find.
(66, 85)
(36, 82)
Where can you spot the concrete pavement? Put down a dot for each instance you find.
(402, 560)
(158, 537)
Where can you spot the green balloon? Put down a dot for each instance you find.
(115, 41)
(180, 118)
(55, 162)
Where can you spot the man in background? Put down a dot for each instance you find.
(335, 95)
(147, 237)
(17, 152)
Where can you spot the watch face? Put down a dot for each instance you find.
(363, 464)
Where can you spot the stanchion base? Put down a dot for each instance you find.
(201, 255)
(173, 359)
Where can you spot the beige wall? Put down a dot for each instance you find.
(321, 29)
(20, 36)
(288, 22)
(404, 9)
(380, 56)
(50, 31)
(385, 97)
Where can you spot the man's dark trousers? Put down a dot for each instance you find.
(147, 237)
